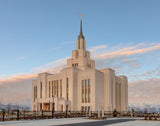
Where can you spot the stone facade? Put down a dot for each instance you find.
(80, 86)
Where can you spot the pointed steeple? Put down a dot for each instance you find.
(81, 33)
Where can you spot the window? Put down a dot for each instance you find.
(49, 89)
(85, 108)
(57, 87)
(60, 88)
(78, 44)
(67, 88)
(82, 108)
(89, 91)
(34, 93)
(88, 108)
(75, 65)
(41, 90)
(86, 91)
(52, 89)
(82, 91)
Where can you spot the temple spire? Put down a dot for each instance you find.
(81, 26)
(81, 33)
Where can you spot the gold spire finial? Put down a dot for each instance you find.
(81, 16)
(81, 34)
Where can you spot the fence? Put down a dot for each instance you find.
(34, 115)
(30, 115)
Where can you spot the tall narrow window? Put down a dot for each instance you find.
(57, 87)
(89, 88)
(41, 90)
(88, 108)
(85, 91)
(82, 108)
(60, 88)
(49, 89)
(34, 93)
(82, 91)
(52, 89)
(67, 89)
(78, 44)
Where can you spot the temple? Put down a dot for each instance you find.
(80, 86)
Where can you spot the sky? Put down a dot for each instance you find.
(38, 36)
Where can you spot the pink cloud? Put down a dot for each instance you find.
(144, 91)
(16, 88)
(127, 51)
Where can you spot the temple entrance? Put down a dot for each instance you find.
(61, 108)
(46, 106)
(40, 106)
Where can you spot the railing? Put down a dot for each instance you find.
(34, 115)
(30, 115)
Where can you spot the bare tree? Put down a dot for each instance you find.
(8, 108)
(1, 103)
(26, 108)
(16, 107)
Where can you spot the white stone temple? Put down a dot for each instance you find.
(79, 86)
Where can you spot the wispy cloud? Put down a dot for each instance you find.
(55, 48)
(128, 60)
(16, 88)
(70, 42)
(144, 91)
(20, 58)
(95, 48)
(117, 57)
(61, 45)
(128, 51)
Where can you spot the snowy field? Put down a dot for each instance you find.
(83, 122)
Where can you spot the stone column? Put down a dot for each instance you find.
(102, 113)
(42, 106)
(86, 114)
(99, 114)
(38, 106)
(131, 114)
(89, 113)
(51, 106)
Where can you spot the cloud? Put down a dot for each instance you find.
(20, 58)
(16, 89)
(144, 91)
(128, 60)
(55, 48)
(95, 48)
(70, 42)
(61, 45)
(128, 51)
(16, 77)
(122, 58)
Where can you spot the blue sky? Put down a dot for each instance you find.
(35, 33)
(31, 28)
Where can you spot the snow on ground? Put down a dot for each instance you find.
(137, 123)
(53, 122)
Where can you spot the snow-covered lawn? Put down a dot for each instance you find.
(52, 122)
